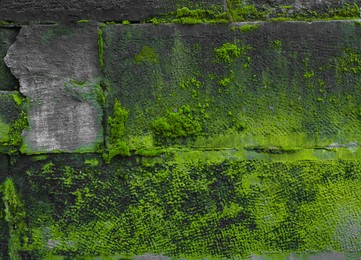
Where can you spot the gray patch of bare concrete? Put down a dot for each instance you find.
(45, 59)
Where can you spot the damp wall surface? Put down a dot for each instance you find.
(183, 137)
(109, 10)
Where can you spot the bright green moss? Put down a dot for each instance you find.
(257, 206)
(15, 216)
(248, 27)
(247, 13)
(18, 98)
(197, 16)
(115, 143)
(156, 21)
(227, 52)
(92, 162)
(178, 123)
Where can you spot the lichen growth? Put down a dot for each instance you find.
(147, 54)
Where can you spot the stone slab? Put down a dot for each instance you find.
(7, 37)
(109, 10)
(269, 88)
(58, 70)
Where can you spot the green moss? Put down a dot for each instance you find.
(188, 17)
(346, 11)
(227, 52)
(349, 62)
(248, 27)
(101, 48)
(15, 216)
(125, 22)
(86, 91)
(309, 74)
(115, 143)
(277, 44)
(225, 82)
(247, 13)
(18, 98)
(178, 123)
(147, 54)
(257, 206)
(83, 21)
(40, 157)
(16, 130)
(241, 11)
(150, 152)
(156, 21)
(92, 162)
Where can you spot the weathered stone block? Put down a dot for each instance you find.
(58, 70)
(109, 10)
(267, 88)
(7, 80)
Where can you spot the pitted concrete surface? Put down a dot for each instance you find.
(45, 59)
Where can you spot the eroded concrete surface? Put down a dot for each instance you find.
(45, 59)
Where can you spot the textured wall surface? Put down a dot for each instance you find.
(287, 86)
(58, 71)
(187, 136)
(137, 10)
(108, 10)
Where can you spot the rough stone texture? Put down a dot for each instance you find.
(7, 80)
(134, 10)
(4, 167)
(293, 84)
(305, 5)
(46, 60)
(278, 89)
(108, 10)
